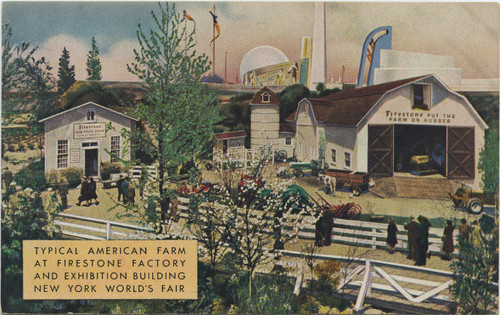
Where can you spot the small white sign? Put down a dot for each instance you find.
(75, 155)
(93, 130)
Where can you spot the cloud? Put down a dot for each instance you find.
(114, 62)
(52, 49)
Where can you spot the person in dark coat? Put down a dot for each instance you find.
(93, 191)
(118, 187)
(124, 189)
(319, 231)
(62, 190)
(327, 226)
(448, 246)
(422, 240)
(84, 192)
(411, 227)
(392, 238)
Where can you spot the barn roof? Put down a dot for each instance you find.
(350, 106)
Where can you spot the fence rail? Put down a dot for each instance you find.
(106, 231)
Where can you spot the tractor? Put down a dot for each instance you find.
(472, 201)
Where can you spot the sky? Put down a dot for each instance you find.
(467, 31)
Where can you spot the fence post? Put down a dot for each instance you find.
(108, 230)
(374, 239)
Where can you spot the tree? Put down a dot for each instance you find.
(178, 111)
(475, 269)
(65, 72)
(488, 162)
(263, 219)
(27, 83)
(289, 98)
(94, 63)
(23, 218)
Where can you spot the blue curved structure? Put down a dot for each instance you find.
(383, 42)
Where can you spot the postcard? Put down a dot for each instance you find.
(250, 157)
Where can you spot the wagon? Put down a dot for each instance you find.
(354, 181)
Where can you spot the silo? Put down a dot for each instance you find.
(264, 119)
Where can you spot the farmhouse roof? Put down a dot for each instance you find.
(230, 135)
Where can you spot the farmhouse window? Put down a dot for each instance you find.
(90, 114)
(62, 153)
(334, 157)
(347, 157)
(115, 148)
(288, 141)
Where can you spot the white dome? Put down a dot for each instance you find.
(260, 57)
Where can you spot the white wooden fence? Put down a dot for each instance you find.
(100, 229)
(361, 233)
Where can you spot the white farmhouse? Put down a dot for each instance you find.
(79, 137)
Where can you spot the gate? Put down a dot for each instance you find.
(461, 164)
(380, 150)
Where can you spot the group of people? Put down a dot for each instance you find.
(126, 190)
(418, 239)
(88, 192)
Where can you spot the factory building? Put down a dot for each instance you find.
(381, 128)
(82, 136)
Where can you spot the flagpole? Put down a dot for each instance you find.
(213, 53)
(185, 34)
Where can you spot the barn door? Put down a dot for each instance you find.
(380, 150)
(461, 152)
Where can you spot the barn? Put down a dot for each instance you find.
(391, 128)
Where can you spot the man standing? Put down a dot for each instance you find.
(124, 189)
(62, 189)
(119, 187)
(411, 227)
(84, 192)
(422, 240)
(93, 191)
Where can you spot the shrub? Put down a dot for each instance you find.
(325, 270)
(21, 147)
(31, 146)
(32, 176)
(52, 177)
(110, 168)
(73, 176)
